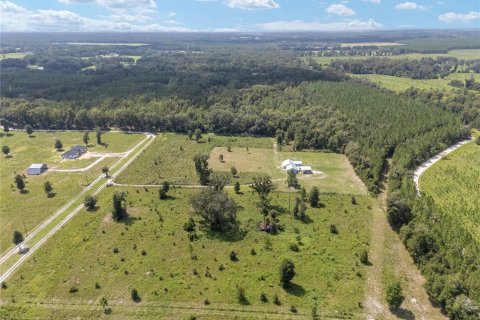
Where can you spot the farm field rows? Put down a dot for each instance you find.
(454, 184)
(188, 272)
(16, 211)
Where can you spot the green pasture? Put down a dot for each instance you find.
(175, 276)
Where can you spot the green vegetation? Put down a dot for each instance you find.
(16, 211)
(82, 255)
(453, 183)
(13, 55)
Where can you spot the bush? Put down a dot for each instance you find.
(394, 296)
(287, 272)
(263, 297)
(293, 309)
(135, 296)
(73, 289)
(333, 229)
(241, 297)
(4, 285)
(276, 300)
(189, 226)
(253, 252)
(294, 247)
(233, 256)
(206, 302)
(364, 256)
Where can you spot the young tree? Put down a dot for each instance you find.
(292, 181)
(119, 212)
(86, 137)
(164, 190)
(198, 134)
(190, 134)
(6, 150)
(105, 171)
(303, 194)
(236, 187)
(29, 129)
(364, 256)
(19, 182)
(314, 197)
(233, 171)
(263, 185)
(201, 166)
(394, 295)
(220, 157)
(58, 144)
(287, 272)
(48, 188)
(6, 127)
(90, 202)
(218, 211)
(98, 135)
(17, 239)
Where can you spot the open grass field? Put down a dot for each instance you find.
(155, 256)
(454, 184)
(467, 54)
(400, 84)
(125, 44)
(24, 211)
(364, 44)
(170, 158)
(13, 55)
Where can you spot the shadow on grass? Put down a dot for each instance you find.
(24, 191)
(296, 290)
(233, 234)
(404, 314)
(23, 250)
(51, 195)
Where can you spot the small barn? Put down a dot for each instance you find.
(37, 169)
(296, 167)
(74, 152)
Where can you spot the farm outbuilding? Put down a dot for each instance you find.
(37, 168)
(296, 167)
(74, 152)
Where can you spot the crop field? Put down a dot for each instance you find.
(13, 55)
(400, 84)
(454, 185)
(467, 54)
(16, 210)
(93, 257)
(170, 158)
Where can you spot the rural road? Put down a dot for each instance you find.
(427, 164)
(41, 227)
(90, 166)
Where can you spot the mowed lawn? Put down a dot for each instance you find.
(24, 211)
(155, 256)
(454, 184)
(170, 157)
(332, 172)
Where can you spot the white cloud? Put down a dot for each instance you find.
(253, 4)
(452, 16)
(340, 10)
(409, 6)
(121, 6)
(17, 18)
(299, 25)
(171, 14)
(375, 1)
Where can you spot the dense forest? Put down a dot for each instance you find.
(267, 89)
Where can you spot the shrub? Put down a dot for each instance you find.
(233, 256)
(206, 302)
(294, 247)
(276, 300)
(333, 229)
(97, 285)
(253, 252)
(394, 295)
(189, 226)
(293, 309)
(135, 296)
(241, 297)
(364, 256)
(4, 285)
(287, 272)
(73, 289)
(263, 297)
(115, 250)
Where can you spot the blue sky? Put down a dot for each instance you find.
(236, 15)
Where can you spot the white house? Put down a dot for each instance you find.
(296, 166)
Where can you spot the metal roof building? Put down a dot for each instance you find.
(37, 168)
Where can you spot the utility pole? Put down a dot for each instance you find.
(25, 228)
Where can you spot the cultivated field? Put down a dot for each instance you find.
(175, 276)
(23, 211)
(400, 84)
(454, 184)
(467, 54)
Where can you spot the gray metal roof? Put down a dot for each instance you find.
(37, 165)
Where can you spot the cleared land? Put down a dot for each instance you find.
(14, 55)
(454, 184)
(82, 254)
(467, 54)
(127, 44)
(170, 158)
(399, 84)
(365, 44)
(16, 209)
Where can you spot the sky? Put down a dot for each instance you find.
(236, 15)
